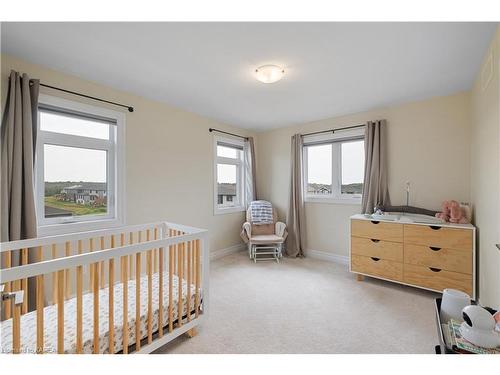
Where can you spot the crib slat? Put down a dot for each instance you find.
(125, 303)
(180, 251)
(101, 264)
(175, 255)
(197, 277)
(39, 306)
(60, 311)
(171, 251)
(160, 292)
(149, 269)
(193, 262)
(96, 306)
(8, 286)
(91, 266)
(155, 252)
(67, 248)
(111, 294)
(111, 317)
(16, 328)
(131, 257)
(122, 243)
(137, 301)
(79, 303)
(54, 275)
(24, 282)
(188, 296)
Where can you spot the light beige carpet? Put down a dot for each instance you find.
(308, 306)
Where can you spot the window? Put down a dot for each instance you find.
(334, 167)
(229, 187)
(79, 169)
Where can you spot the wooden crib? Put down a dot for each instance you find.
(97, 292)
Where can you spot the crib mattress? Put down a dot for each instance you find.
(28, 321)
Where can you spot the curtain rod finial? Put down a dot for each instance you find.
(131, 109)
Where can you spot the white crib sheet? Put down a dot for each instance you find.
(28, 321)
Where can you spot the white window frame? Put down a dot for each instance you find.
(336, 139)
(240, 175)
(115, 170)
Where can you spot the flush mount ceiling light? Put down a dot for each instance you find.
(269, 73)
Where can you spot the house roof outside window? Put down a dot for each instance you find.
(226, 189)
(98, 186)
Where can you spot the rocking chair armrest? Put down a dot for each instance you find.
(248, 228)
(280, 229)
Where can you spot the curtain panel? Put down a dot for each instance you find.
(18, 143)
(296, 211)
(250, 174)
(375, 186)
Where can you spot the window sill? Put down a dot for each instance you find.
(82, 226)
(344, 201)
(228, 210)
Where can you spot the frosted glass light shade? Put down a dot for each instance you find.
(269, 73)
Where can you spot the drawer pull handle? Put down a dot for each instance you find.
(435, 269)
(434, 227)
(375, 259)
(375, 240)
(434, 248)
(375, 221)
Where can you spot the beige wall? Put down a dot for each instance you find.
(485, 172)
(428, 145)
(169, 164)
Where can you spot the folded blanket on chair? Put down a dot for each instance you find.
(261, 212)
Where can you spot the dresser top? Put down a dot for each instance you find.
(412, 219)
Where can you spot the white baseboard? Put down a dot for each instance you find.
(329, 257)
(228, 250)
(314, 254)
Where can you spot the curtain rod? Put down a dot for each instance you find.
(130, 109)
(222, 131)
(334, 130)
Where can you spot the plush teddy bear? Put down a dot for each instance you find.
(452, 212)
(445, 211)
(457, 213)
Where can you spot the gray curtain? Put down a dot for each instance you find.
(18, 140)
(296, 215)
(375, 187)
(250, 174)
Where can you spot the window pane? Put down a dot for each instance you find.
(228, 152)
(226, 185)
(353, 167)
(75, 181)
(319, 170)
(60, 123)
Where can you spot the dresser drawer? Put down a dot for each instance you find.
(377, 248)
(437, 279)
(386, 269)
(377, 230)
(430, 235)
(437, 257)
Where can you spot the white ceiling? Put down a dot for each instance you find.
(207, 68)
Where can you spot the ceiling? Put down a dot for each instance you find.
(332, 69)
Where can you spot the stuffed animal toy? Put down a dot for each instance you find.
(452, 212)
(457, 213)
(445, 211)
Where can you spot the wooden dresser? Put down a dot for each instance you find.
(432, 257)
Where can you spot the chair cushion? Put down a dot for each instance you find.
(266, 239)
(265, 229)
